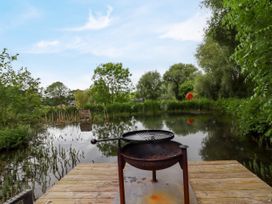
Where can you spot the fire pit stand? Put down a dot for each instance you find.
(160, 161)
(151, 150)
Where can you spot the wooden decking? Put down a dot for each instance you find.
(86, 183)
(227, 182)
(216, 182)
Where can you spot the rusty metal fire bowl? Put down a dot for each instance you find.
(152, 155)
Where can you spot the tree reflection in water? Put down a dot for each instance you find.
(151, 121)
(179, 123)
(112, 129)
(222, 143)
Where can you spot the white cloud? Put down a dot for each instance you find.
(95, 22)
(78, 44)
(191, 29)
(45, 46)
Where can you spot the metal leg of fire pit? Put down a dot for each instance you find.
(184, 165)
(154, 178)
(121, 166)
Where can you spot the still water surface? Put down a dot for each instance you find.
(58, 149)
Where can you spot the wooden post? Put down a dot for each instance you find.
(154, 178)
(184, 165)
(121, 165)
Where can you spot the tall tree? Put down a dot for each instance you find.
(178, 74)
(57, 93)
(253, 21)
(217, 29)
(116, 78)
(150, 85)
(223, 77)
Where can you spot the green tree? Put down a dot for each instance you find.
(178, 74)
(116, 78)
(253, 21)
(99, 93)
(150, 85)
(20, 100)
(223, 77)
(82, 97)
(57, 93)
(217, 30)
(20, 103)
(186, 87)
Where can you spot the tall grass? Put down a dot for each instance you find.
(198, 105)
(61, 115)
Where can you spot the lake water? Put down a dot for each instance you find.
(58, 149)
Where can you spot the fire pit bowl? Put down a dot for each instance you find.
(152, 155)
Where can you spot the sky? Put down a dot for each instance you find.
(65, 40)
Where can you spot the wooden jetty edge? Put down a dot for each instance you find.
(213, 182)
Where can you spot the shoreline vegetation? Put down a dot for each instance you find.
(238, 109)
(241, 110)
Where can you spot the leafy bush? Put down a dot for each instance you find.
(151, 106)
(119, 108)
(11, 138)
(250, 115)
(95, 108)
(185, 88)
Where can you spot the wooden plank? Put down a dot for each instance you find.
(217, 162)
(218, 168)
(234, 201)
(80, 195)
(233, 194)
(83, 188)
(228, 184)
(74, 201)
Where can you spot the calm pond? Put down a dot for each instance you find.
(58, 149)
